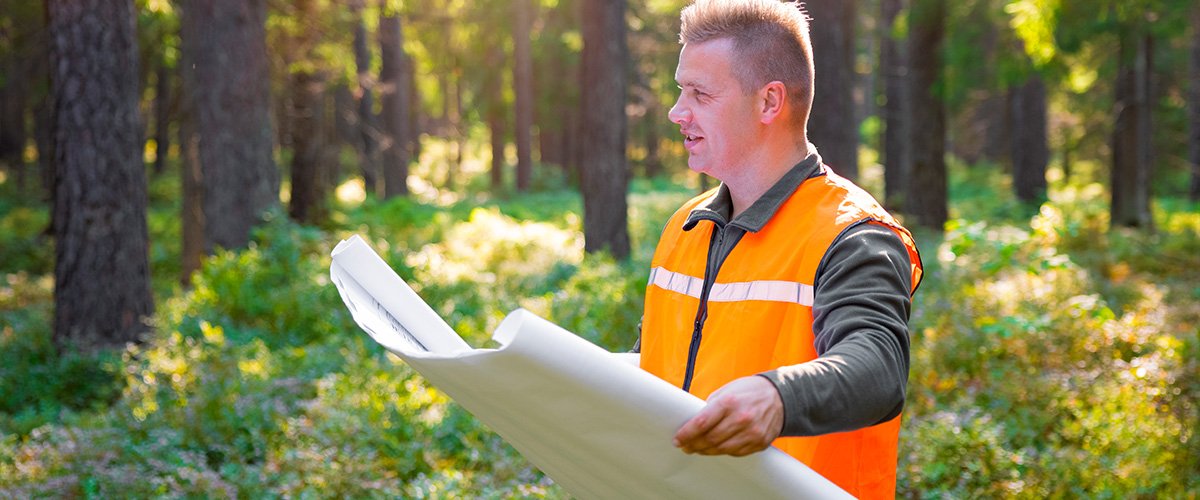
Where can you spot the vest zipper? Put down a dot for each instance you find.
(693, 350)
(710, 276)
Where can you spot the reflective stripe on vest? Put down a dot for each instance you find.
(777, 291)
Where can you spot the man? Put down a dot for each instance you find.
(782, 296)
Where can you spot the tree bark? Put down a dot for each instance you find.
(494, 87)
(367, 145)
(1030, 151)
(1194, 106)
(14, 97)
(459, 128)
(653, 159)
(43, 136)
(412, 142)
(102, 295)
(832, 125)
(1131, 135)
(393, 80)
(896, 164)
(926, 198)
(231, 100)
(605, 177)
(523, 90)
(307, 204)
(192, 210)
(162, 115)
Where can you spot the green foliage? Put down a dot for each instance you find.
(22, 239)
(1051, 361)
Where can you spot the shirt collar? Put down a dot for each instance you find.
(719, 206)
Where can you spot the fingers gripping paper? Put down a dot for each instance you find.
(598, 426)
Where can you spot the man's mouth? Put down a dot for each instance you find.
(689, 140)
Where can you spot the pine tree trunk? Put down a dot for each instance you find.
(308, 187)
(412, 142)
(1131, 168)
(43, 136)
(102, 295)
(460, 133)
(14, 97)
(926, 198)
(494, 87)
(231, 100)
(1144, 80)
(307, 203)
(523, 90)
(393, 80)
(367, 145)
(653, 161)
(191, 178)
(1194, 106)
(162, 116)
(1030, 152)
(895, 140)
(604, 175)
(832, 126)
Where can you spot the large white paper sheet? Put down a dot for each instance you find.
(598, 425)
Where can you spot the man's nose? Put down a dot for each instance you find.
(679, 113)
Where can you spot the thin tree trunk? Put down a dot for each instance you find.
(832, 127)
(653, 161)
(308, 187)
(412, 142)
(14, 97)
(494, 87)
(896, 164)
(1131, 135)
(1194, 106)
(927, 194)
(1030, 152)
(523, 90)
(102, 295)
(43, 136)
(604, 175)
(1124, 142)
(393, 79)
(192, 212)
(191, 179)
(1144, 82)
(162, 116)
(231, 96)
(307, 203)
(367, 145)
(460, 131)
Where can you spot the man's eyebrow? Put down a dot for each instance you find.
(691, 83)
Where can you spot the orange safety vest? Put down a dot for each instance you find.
(760, 315)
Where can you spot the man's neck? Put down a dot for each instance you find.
(748, 188)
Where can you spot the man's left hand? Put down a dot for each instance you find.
(742, 417)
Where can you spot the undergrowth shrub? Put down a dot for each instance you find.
(1025, 383)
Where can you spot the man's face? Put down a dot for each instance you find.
(718, 120)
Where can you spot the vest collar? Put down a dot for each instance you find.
(719, 206)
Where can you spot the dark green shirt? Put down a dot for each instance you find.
(861, 304)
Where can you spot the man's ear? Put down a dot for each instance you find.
(773, 97)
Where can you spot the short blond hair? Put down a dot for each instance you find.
(770, 42)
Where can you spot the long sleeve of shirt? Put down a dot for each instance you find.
(861, 306)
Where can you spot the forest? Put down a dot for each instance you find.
(175, 173)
